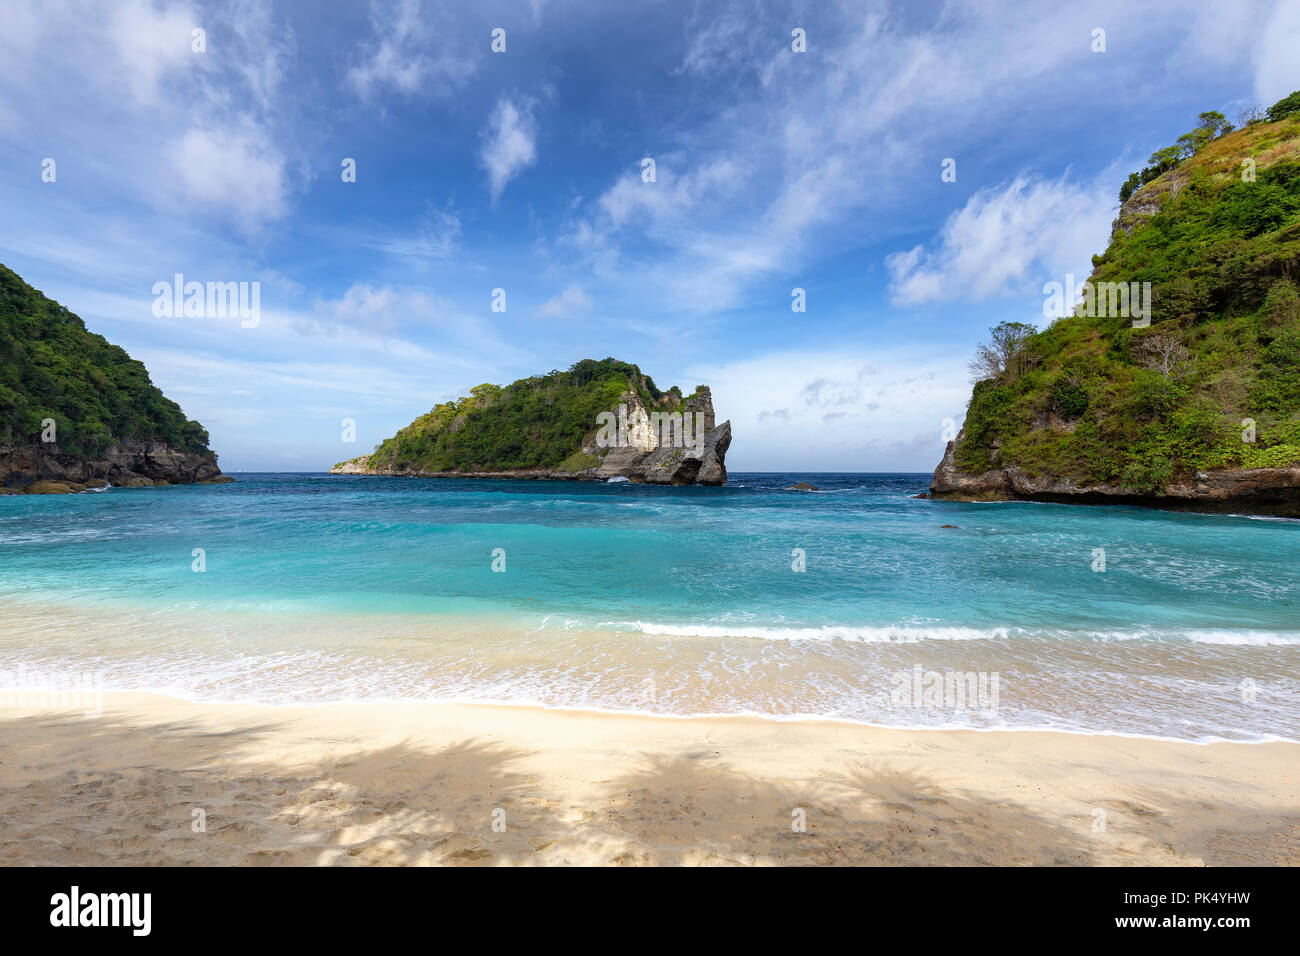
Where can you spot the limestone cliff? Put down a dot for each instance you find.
(648, 457)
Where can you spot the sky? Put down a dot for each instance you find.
(220, 155)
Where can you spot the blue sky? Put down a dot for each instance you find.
(522, 171)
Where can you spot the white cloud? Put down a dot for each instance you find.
(1002, 238)
(849, 409)
(263, 50)
(393, 315)
(234, 171)
(406, 57)
(674, 213)
(663, 205)
(570, 302)
(149, 42)
(378, 307)
(509, 143)
(157, 122)
(828, 392)
(1277, 58)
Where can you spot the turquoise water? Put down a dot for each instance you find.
(674, 600)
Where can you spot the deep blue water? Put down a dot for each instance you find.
(874, 556)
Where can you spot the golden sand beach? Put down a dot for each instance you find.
(159, 780)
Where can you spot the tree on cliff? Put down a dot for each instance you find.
(1210, 125)
(1165, 353)
(1284, 107)
(1006, 352)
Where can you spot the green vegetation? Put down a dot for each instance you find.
(1098, 401)
(1284, 107)
(1210, 126)
(537, 422)
(51, 367)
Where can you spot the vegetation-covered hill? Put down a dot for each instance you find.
(535, 423)
(52, 368)
(1213, 223)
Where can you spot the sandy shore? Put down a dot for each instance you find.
(422, 783)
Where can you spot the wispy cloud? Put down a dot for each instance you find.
(165, 118)
(572, 301)
(407, 57)
(993, 244)
(854, 131)
(437, 236)
(151, 42)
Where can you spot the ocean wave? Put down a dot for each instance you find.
(908, 633)
(911, 633)
(1245, 638)
(284, 680)
(1226, 637)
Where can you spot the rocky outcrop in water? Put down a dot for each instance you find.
(1267, 491)
(649, 460)
(43, 469)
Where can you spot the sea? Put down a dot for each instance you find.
(854, 602)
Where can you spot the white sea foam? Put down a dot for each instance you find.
(242, 680)
(830, 632)
(1177, 682)
(908, 633)
(1244, 638)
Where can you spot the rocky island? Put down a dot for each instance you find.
(77, 412)
(1194, 405)
(599, 420)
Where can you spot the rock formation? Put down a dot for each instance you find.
(1268, 491)
(127, 464)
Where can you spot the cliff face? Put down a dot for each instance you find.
(127, 464)
(1267, 491)
(76, 411)
(599, 420)
(1194, 405)
(646, 459)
